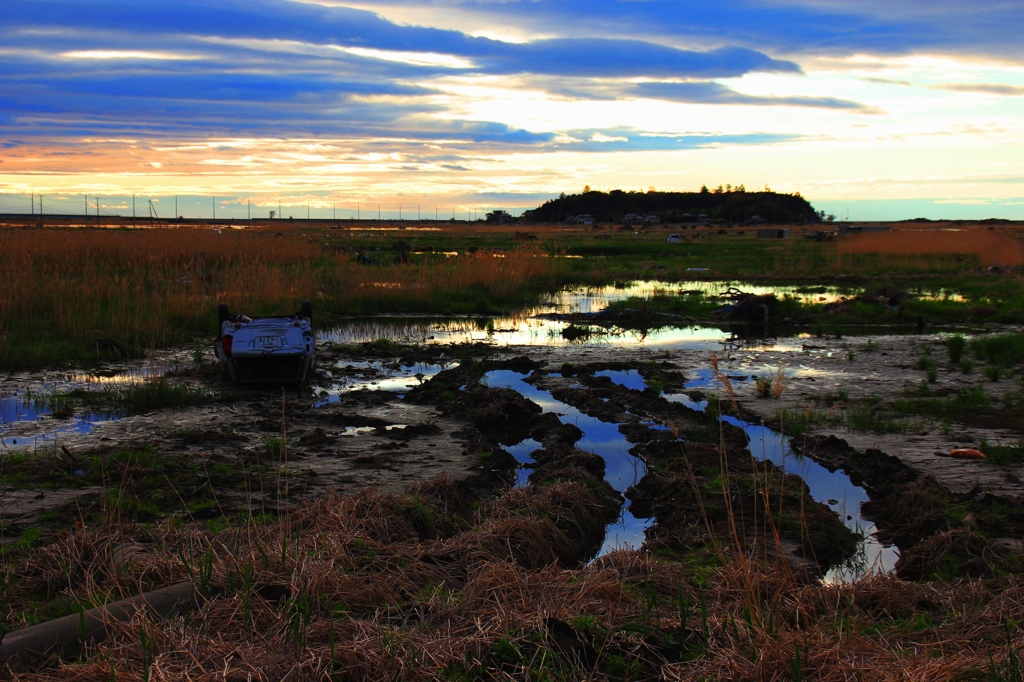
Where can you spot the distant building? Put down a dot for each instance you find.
(861, 229)
(651, 220)
(773, 233)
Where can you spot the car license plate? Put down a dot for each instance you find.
(265, 342)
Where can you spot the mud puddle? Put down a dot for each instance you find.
(31, 417)
(622, 470)
(834, 489)
(349, 376)
(531, 328)
(17, 410)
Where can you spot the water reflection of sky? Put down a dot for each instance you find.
(33, 404)
(377, 376)
(831, 488)
(18, 409)
(526, 329)
(523, 453)
(515, 331)
(601, 438)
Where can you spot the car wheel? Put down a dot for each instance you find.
(306, 310)
(222, 314)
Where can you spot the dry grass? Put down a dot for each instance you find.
(377, 586)
(912, 248)
(156, 287)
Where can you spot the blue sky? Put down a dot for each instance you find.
(883, 110)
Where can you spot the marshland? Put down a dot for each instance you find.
(529, 452)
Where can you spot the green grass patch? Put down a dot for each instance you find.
(132, 398)
(1003, 453)
(968, 401)
(1005, 350)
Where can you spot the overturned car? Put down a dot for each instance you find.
(277, 349)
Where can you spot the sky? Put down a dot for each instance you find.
(872, 110)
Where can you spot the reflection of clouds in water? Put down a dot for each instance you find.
(35, 403)
(602, 438)
(515, 332)
(834, 489)
(15, 409)
(526, 329)
(376, 376)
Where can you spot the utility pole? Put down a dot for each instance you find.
(378, 212)
(175, 207)
(86, 197)
(33, 202)
(358, 213)
(307, 210)
(334, 209)
(249, 205)
(417, 212)
(213, 202)
(97, 211)
(279, 214)
(133, 210)
(399, 213)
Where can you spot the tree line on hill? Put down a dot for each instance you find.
(726, 205)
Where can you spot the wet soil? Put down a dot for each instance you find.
(884, 369)
(454, 426)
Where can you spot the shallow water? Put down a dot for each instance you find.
(601, 438)
(516, 331)
(831, 488)
(18, 409)
(527, 329)
(377, 376)
(31, 405)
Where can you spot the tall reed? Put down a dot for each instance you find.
(158, 287)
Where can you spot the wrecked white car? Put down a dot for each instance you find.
(276, 349)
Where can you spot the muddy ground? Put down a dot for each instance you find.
(261, 450)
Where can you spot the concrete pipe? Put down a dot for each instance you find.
(67, 635)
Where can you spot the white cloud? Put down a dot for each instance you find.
(128, 54)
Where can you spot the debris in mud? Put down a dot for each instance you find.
(575, 332)
(748, 307)
(965, 453)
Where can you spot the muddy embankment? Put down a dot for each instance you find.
(258, 452)
(388, 416)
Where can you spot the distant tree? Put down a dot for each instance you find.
(586, 189)
(830, 218)
(495, 217)
(719, 190)
(704, 189)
